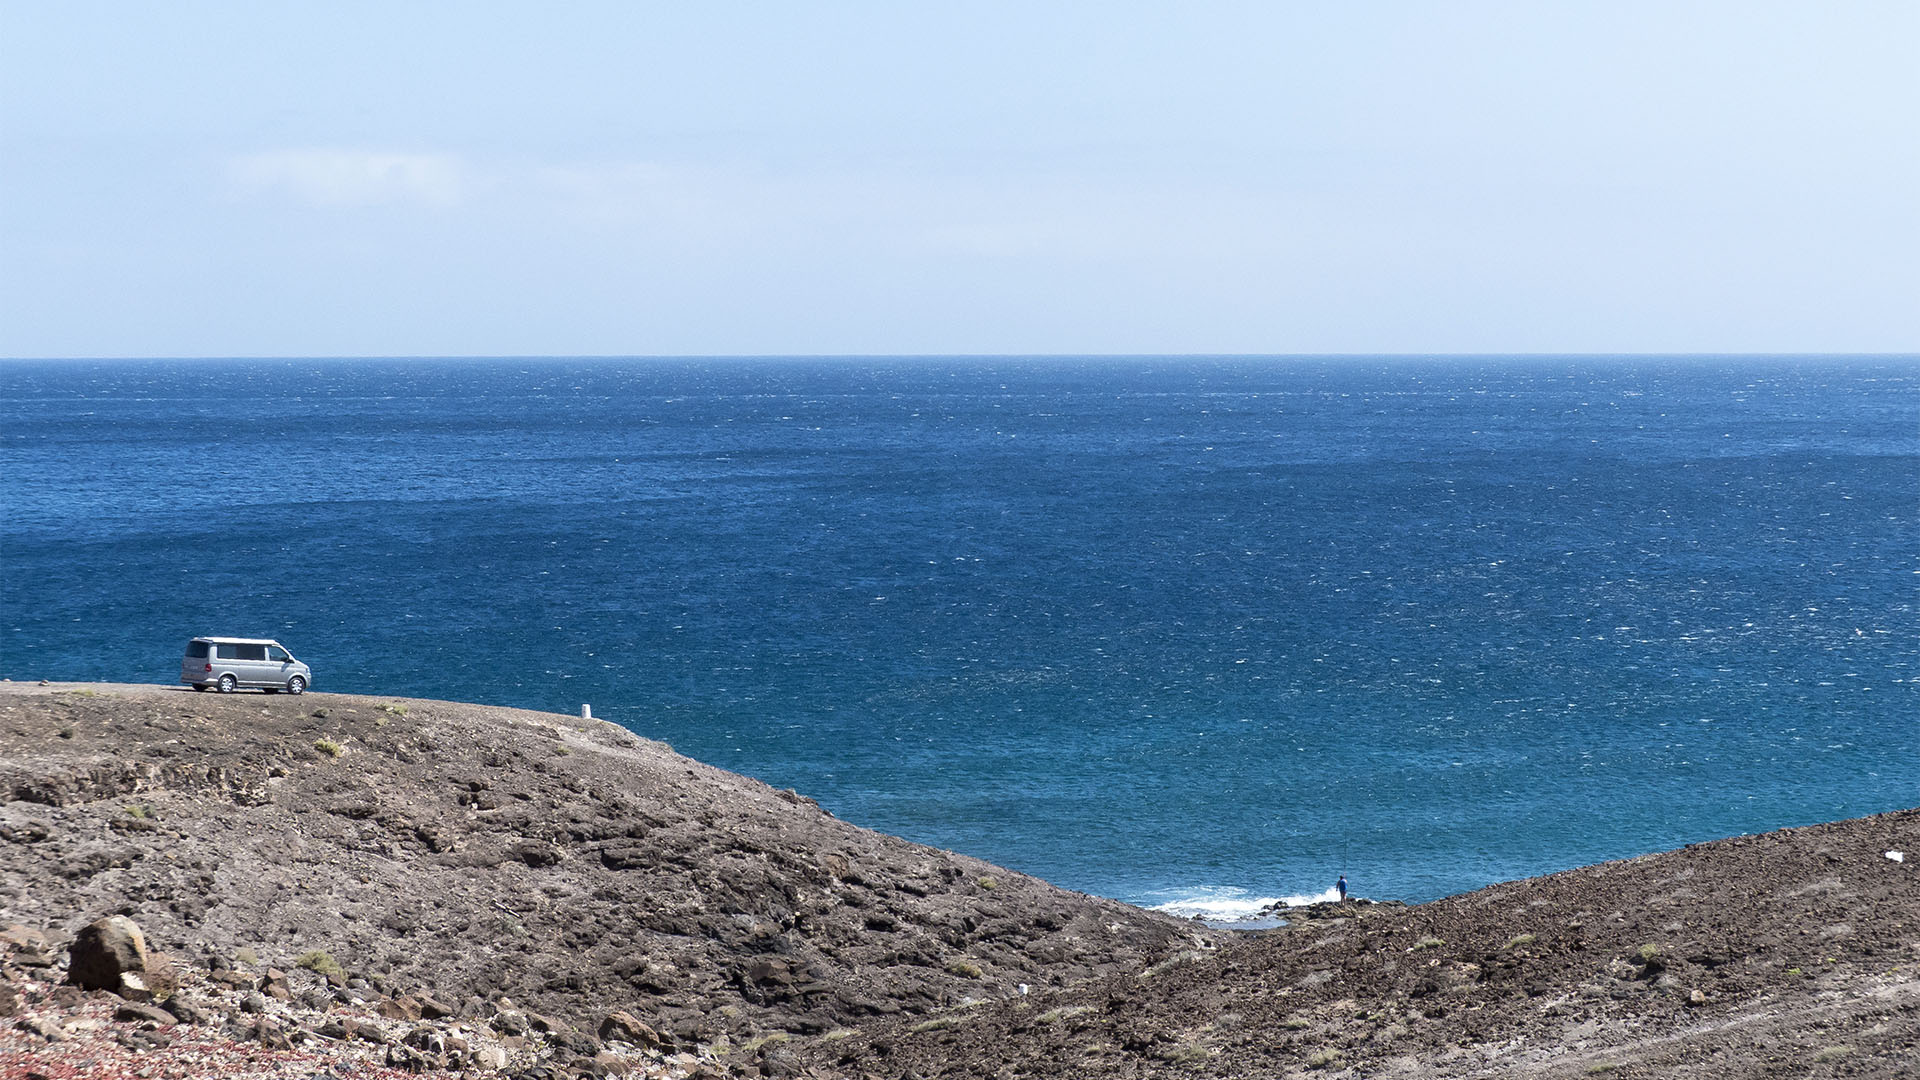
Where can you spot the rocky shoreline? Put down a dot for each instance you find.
(333, 885)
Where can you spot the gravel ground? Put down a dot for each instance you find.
(220, 1025)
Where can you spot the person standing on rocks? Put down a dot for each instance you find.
(1341, 888)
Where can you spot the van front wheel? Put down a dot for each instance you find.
(228, 684)
(296, 685)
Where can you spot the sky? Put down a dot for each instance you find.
(583, 178)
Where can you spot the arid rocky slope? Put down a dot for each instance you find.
(1788, 954)
(469, 853)
(474, 851)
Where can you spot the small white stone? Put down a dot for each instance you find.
(1897, 856)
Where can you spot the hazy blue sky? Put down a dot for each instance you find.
(709, 177)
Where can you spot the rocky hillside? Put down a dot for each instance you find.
(473, 852)
(1789, 954)
(372, 885)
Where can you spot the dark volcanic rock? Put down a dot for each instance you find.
(274, 985)
(134, 1012)
(270, 1035)
(1789, 954)
(467, 852)
(184, 1010)
(105, 953)
(582, 887)
(622, 1027)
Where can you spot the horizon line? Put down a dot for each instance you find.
(1421, 355)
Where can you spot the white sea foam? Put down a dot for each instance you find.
(1216, 905)
(1331, 896)
(1227, 906)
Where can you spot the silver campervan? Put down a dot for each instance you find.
(229, 663)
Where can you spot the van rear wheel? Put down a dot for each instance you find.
(228, 684)
(296, 685)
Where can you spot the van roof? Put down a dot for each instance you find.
(239, 640)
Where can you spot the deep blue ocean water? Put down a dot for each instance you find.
(1163, 629)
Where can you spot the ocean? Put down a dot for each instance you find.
(1187, 632)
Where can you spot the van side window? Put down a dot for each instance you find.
(196, 650)
(252, 652)
(276, 653)
(226, 652)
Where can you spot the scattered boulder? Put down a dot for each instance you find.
(346, 1028)
(162, 979)
(576, 1042)
(404, 1007)
(435, 838)
(17, 938)
(537, 853)
(407, 1059)
(612, 1064)
(135, 1013)
(232, 980)
(33, 958)
(269, 1034)
(184, 1011)
(110, 954)
(627, 1028)
(43, 1027)
(31, 833)
(274, 985)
